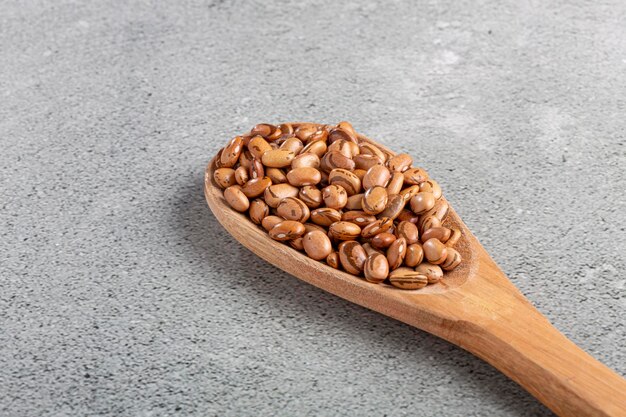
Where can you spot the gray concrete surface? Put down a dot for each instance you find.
(121, 294)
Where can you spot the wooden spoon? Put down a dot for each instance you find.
(475, 307)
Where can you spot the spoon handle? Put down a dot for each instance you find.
(501, 327)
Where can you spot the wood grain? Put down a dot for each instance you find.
(475, 307)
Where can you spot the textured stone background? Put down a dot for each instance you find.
(122, 295)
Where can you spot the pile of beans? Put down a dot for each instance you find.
(341, 200)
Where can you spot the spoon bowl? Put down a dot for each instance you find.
(474, 306)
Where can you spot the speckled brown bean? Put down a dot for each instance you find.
(395, 205)
(336, 159)
(305, 160)
(270, 221)
(318, 148)
(294, 145)
(258, 211)
(275, 193)
(440, 210)
(224, 177)
(374, 200)
(256, 187)
(428, 222)
(311, 196)
(319, 135)
(365, 162)
(305, 130)
(333, 260)
(292, 208)
(422, 202)
(407, 279)
(287, 230)
(347, 126)
(408, 231)
(300, 177)
(263, 129)
(400, 162)
(258, 146)
(335, 196)
(317, 245)
(256, 169)
(231, 152)
(350, 182)
(396, 253)
(241, 175)
(454, 238)
(382, 240)
(352, 257)
(276, 175)
(431, 186)
(379, 226)
(278, 158)
(378, 175)
(414, 255)
(354, 202)
(376, 268)
(339, 134)
(453, 259)
(342, 146)
(358, 217)
(441, 233)
(236, 198)
(344, 231)
(432, 272)
(395, 183)
(370, 149)
(325, 216)
(415, 176)
(435, 251)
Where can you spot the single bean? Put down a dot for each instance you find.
(297, 243)
(382, 240)
(428, 222)
(352, 257)
(256, 187)
(453, 259)
(365, 161)
(258, 146)
(303, 160)
(454, 238)
(333, 260)
(224, 177)
(400, 162)
(231, 152)
(407, 279)
(336, 159)
(275, 193)
(395, 205)
(374, 200)
(358, 217)
(378, 175)
(325, 216)
(258, 211)
(422, 202)
(270, 221)
(415, 176)
(311, 196)
(376, 268)
(433, 187)
(344, 230)
(287, 230)
(414, 255)
(408, 231)
(396, 253)
(343, 147)
(276, 175)
(441, 233)
(350, 182)
(317, 245)
(354, 202)
(335, 196)
(292, 208)
(369, 249)
(278, 158)
(318, 148)
(371, 149)
(409, 192)
(304, 131)
(432, 272)
(379, 226)
(241, 175)
(409, 216)
(435, 251)
(304, 176)
(292, 144)
(339, 133)
(395, 183)
(236, 198)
